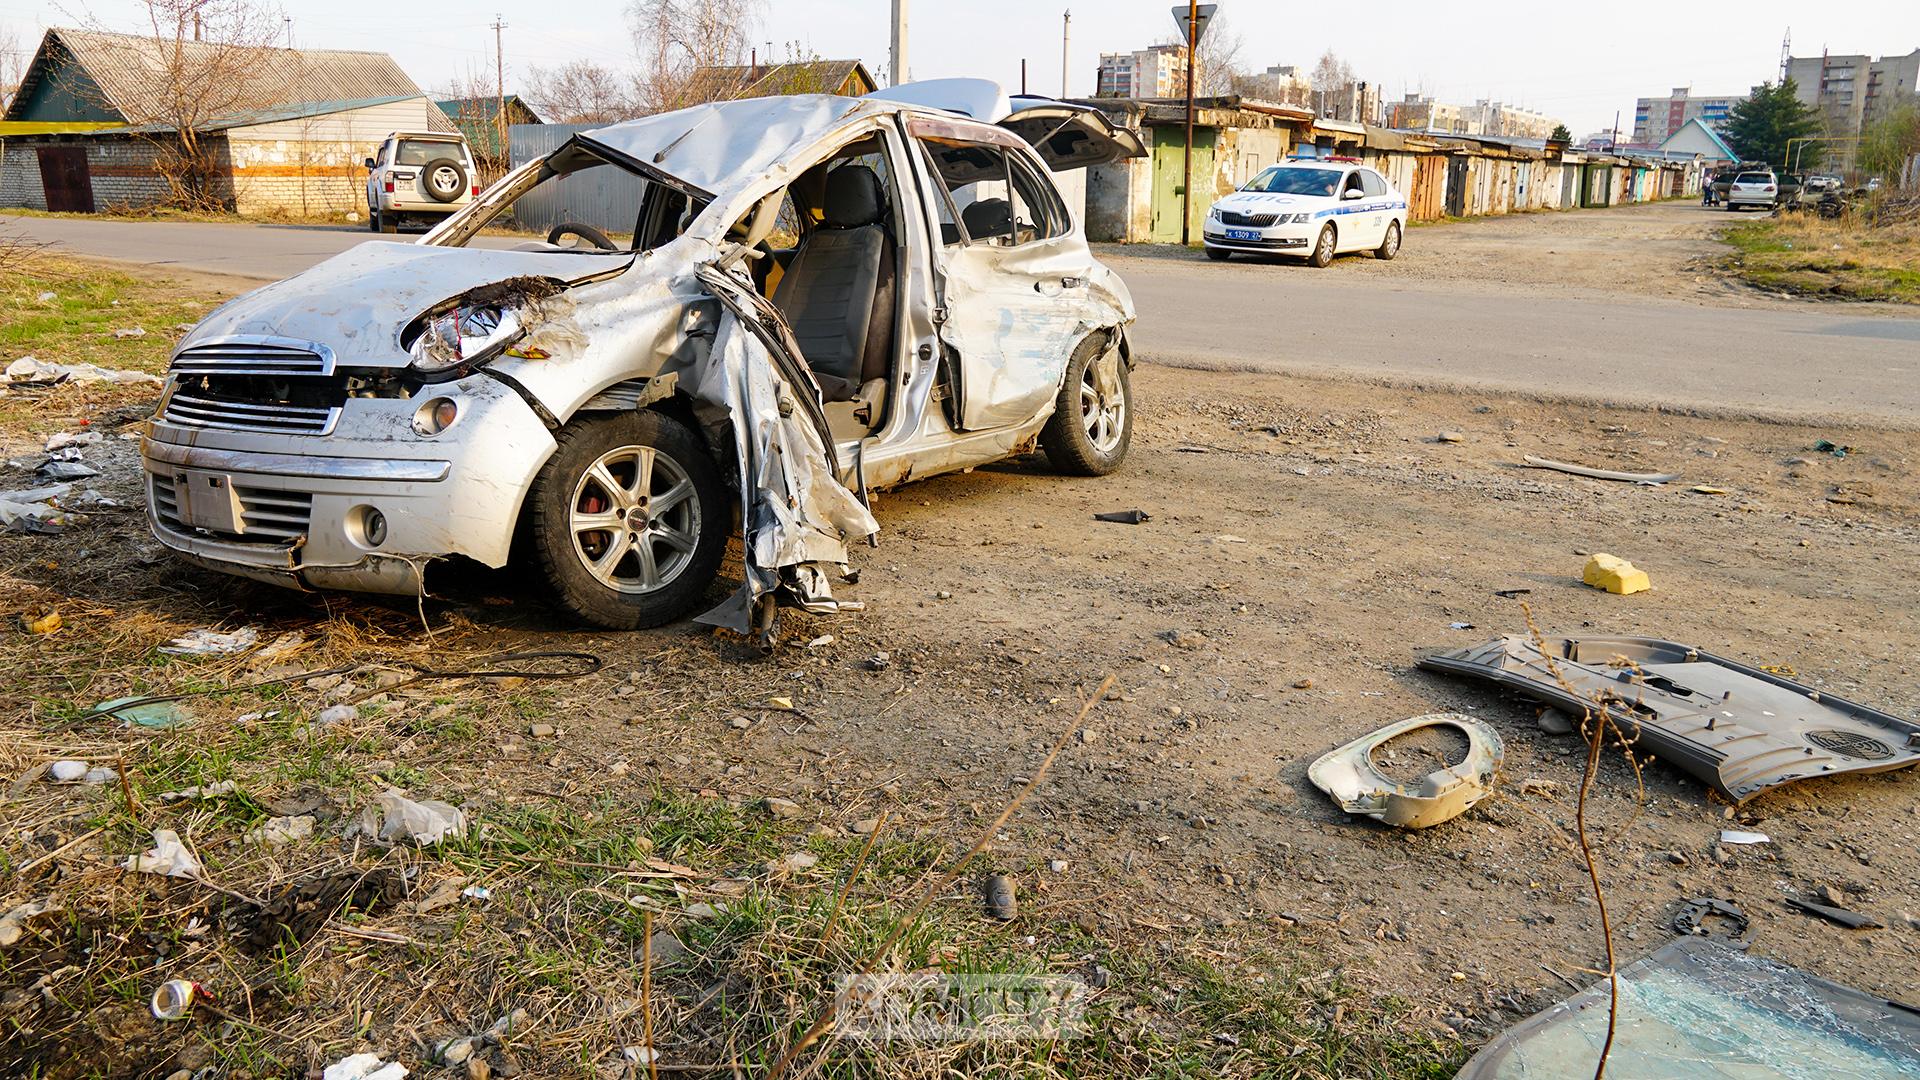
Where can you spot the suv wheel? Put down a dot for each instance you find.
(1092, 422)
(373, 219)
(629, 520)
(444, 179)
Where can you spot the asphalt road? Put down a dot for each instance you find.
(1798, 361)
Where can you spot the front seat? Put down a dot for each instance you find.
(837, 292)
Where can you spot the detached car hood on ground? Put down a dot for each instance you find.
(358, 302)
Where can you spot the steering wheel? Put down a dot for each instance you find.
(586, 232)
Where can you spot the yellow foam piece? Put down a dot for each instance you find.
(1614, 574)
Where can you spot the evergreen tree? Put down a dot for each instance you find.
(1560, 134)
(1760, 125)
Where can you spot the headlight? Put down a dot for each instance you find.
(465, 335)
(1213, 213)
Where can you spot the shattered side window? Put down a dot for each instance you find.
(975, 178)
(1039, 213)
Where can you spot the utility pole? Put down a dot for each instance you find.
(898, 73)
(500, 85)
(1066, 37)
(1023, 76)
(1186, 147)
(287, 25)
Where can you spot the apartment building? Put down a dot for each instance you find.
(1655, 120)
(1851, 92)
(1156, 72)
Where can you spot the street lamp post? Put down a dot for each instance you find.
(1186, 146)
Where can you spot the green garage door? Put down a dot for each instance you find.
(1166, 182)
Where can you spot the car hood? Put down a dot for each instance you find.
(357, 302)
(1269, 202)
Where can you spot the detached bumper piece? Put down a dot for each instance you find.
(1740, 729)
(1348, 775)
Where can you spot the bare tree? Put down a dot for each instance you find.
(477, 115)
(13, 65)
(581, 92)
(1217, 61)
(678, 42)
(203, 60)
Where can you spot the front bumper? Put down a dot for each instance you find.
(1273, 240)
(295, 506)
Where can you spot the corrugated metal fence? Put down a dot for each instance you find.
(605, 197)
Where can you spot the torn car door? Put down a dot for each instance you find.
(1738, 728)
(797, 518)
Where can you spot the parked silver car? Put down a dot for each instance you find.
(1753, 189)
(818, 296)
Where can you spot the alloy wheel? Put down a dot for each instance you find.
(1102, 414)
(634, 519)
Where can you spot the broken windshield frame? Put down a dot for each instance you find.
(496, 203)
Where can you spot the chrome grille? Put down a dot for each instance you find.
(1251, 221)
(267, 516)
(255, 356)
(195, 410)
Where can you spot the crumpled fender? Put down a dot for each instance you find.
(1348, 775)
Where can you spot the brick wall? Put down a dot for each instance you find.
(20, 176)
(304, 177)
(123, 169)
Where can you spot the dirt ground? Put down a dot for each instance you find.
(1307, 538)
(1669, 250)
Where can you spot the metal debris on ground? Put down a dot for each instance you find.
(173, 999)
(1649, 479)
(1000, 891)
(1839, 916)
(1124, 517)
(1698, 916)
(1614, 574)
(1351, 778)
(1700, 1010)
(212, 642)
(1509, 594)
(1737, 836)
(1738, 728)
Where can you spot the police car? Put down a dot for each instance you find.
(1312, 209)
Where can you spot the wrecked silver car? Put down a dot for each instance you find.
(819, 296)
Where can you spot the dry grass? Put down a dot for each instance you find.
(1862, 256)
(594, 877)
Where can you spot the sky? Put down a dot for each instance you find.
(1580, 63)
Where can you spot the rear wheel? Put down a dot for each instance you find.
(1390, 243)
(1092, 422)
(1322, 256)
(373, 219)
(629, 520)
(1219, 254)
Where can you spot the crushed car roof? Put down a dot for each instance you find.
(708, 147)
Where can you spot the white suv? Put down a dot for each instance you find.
(1753, 189)
(419, 174)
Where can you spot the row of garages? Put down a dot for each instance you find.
(1139, 201)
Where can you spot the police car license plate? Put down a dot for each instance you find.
(1242, 234)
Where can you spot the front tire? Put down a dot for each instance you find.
(1322, 256)
(1092, 422)
(1219, 254)
(1389, 244)
(373, 219)
(629, 520)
